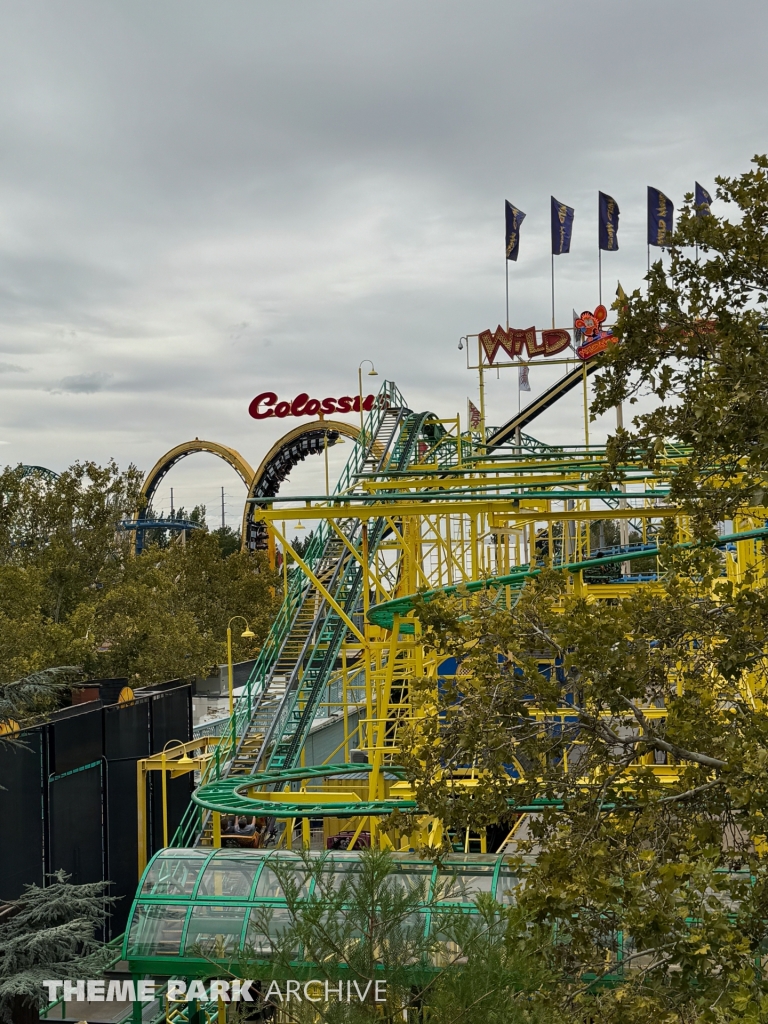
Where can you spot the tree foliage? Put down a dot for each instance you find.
(696, 343)
(34, 695)
(49, 933)
(72, 592)
(566, 709)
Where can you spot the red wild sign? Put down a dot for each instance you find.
(514, 340)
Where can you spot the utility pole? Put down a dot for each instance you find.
(223, 522)
(171, 503)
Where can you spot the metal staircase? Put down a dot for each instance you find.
(285, 739)
(284, 729)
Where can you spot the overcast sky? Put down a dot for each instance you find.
(202, 201)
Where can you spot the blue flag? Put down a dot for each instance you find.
(562, 227)
(608, 215)
(703, 200)
(514, 219)
(660, 216)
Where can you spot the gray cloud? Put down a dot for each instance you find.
(213, 200)
(85, 383)
(12, 368)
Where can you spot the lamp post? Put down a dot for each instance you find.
(247, 634)
(325, 449)
(371, 373)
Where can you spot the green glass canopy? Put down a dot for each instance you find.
(197, 906)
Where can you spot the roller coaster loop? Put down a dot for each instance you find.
(383, 614)
(166, 462)
(307, 439)
(46, 474)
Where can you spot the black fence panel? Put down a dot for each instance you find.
(171, 717)
(68, 801)
(171, 722)
(22, 813)
(122, 839)
(126, 739)
(75, 825)
(126, 731)
(75, 739)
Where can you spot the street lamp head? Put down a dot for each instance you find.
(185, 762)
(248, 633)
(299, 526)
(372, 372)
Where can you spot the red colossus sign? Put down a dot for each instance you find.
(266, 404)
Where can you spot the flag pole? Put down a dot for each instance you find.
(553, 291)
(599, 273)
(599, 257)
(482, 391)
(506, 266)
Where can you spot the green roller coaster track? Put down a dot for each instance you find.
(384, 614)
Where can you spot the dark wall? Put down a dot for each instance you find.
(171, 714)
(69, 799)
(22, 814)
(75, 824)
(171, 717)
(126, 739)
(75, 739)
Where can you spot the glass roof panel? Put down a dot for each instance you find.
(445, 948)
(231, 877)
(267, 927)
(414, 876)
(462, 881)
(277, 871)
(214, 931)
(339, 869)
(174, 873)
(454, 932)
(505, 886)
(156, 930)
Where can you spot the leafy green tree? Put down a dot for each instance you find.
(63, 530)
(365, 923)
(655, 884)
(72, 592)
(48, 934)
(229, 540)
(696, 342)
(301, 544)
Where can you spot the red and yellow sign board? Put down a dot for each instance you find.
(515, 340)
(549, 343)
(595, 338)
(595, 345)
